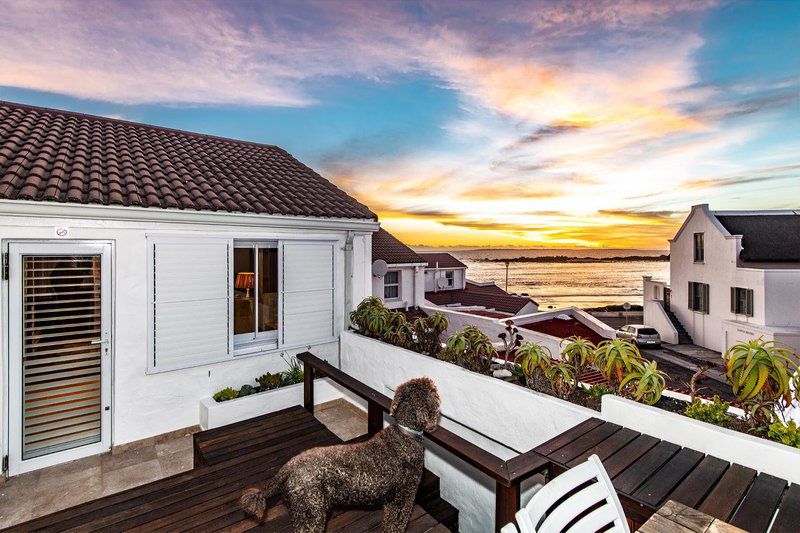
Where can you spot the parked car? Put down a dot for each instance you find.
(640, 335)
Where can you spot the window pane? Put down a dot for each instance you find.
(267, 289)
(391, 278)
(391, 291)
(243, 290)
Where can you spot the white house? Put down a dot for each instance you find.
(147, 268)
(398, 274)
(734, 276)
(446, 285)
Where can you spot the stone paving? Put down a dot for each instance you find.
(51, 489)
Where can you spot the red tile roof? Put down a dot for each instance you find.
(389, 248)
(505, 303)
(445, 260)
(59, 156)
(492, 289)
(563, 329)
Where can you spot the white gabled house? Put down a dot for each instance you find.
(147, 268)
(734, 276)
(398, 273)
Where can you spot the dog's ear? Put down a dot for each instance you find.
(416, 404)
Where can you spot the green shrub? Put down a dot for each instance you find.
(788, 434)
(598, 390)
(615, 359)
(472, 349)
(561, 376)
(715, 412)
(225, 394)
(269, 381)
(293, 374)
(246, 390)
(427, 332)
(578, 353)
(644, 383)
(534, 360)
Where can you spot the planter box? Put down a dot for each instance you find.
(757, 453)
(214, 414)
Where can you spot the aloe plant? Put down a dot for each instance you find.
(615, 358)
(644, 383)
(579, 353)
(534, 360)
(562, 379)
(427, 333)
(471, 348)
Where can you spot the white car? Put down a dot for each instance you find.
(640, 335)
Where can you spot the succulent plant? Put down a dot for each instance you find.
(226, 394)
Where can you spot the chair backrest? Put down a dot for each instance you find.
(551, 510)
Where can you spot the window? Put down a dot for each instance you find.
(698, 296)
(742, 301)
(391, 285)
(699, 248)
(255, 291)
(450, 276)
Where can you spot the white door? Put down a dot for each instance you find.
(59, 352)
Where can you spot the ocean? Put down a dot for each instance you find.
(566, 284)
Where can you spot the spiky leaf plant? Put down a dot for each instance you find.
(534, 360)
(615, 358)
(579, 353)
(644, 383)
(562, 379)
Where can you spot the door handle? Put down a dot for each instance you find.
(99, 341)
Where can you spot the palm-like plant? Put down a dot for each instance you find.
(472, 349)
(644, 383)
(428, 333)
(534, 360)
(579, 353)
(762, 375)
(615, 358)
(562, 379)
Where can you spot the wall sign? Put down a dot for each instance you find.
(61, 232)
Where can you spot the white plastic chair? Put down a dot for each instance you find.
(542, 515)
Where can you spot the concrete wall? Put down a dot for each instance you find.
(146, 405)
(432, 274)
(654, 314)
(412, 287)
(501, 417)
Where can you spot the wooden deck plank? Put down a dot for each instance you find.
(654, 490)
(694, 488)
(550, 446)
(643, 468)
(788, 516)
(628, 454)
(588, 440)
(607, 448)
(759, 505)
(728, 492)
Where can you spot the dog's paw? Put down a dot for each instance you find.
(254, 502)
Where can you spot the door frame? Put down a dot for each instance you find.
(13, 391)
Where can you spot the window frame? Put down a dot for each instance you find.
(451, 280)
(243, 343)
(699, 253)
(387, 285)
(702, 298)
(748, 301)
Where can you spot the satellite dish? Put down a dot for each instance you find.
(441, 283)
(379, 268)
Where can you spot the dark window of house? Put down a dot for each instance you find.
(450, 276)
(698, 296)
(391, 285)
(742, 301)
(699, 248)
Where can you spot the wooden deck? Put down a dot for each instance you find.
(647, 472)
(227, 460)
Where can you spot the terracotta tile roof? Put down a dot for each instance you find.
(766, 238)
(59, 156)
(389, 248)
(492, 289)
(505, 303)
(563, 329)
(445, 260)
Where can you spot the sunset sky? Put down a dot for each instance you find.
(537, 124)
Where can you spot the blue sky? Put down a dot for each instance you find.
(561, 124)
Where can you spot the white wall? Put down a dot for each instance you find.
(432, 274)
(776, 292)
(472, 404)
(412, 290)
(147, 405)
(654, 314)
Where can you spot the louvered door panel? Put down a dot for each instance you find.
(61, 366)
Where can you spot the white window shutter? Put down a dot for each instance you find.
(190, 302)
(307, 295)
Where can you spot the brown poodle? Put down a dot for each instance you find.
(383, 471)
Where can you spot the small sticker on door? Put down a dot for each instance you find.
(61, 232)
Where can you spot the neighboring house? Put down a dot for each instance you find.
(734, 276)
(446, 285)
(147, 268)
(402, 286)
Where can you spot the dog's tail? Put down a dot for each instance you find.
(254, 500)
